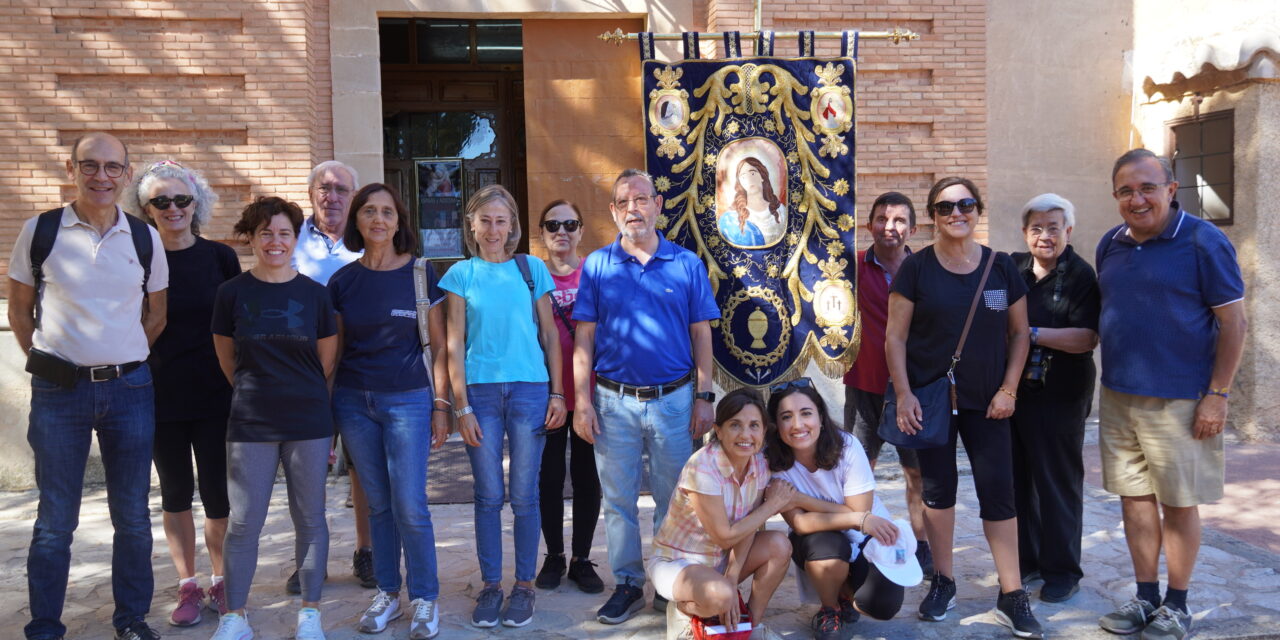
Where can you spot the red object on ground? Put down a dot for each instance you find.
(700, 628)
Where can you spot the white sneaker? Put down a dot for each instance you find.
(233, 626)
(426, 619)
(309, 627)
(384, 609)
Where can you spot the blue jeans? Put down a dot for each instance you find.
(628, 427)
(389, 437)
(517, 410)
(60, 431)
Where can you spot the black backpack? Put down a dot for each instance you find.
(46, 234)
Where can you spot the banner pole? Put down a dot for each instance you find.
(896, 36)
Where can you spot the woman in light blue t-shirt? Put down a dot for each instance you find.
(504, 364)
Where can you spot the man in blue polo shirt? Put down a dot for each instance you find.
(1172, 330)
(644, 310)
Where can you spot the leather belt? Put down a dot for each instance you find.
(643, 394)
(106, 372)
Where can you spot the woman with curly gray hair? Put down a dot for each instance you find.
(193, 398)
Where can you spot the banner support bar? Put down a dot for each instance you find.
(897, 35)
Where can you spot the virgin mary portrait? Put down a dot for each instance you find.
(756, 217)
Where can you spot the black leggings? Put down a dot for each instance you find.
(586, 490)
(174, 443)
(989, 447)
(876, 595)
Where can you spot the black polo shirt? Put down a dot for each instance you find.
(1065, 298)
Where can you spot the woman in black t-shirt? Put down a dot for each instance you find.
(275, 334)
(928, 304)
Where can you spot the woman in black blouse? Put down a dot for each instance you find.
(1054, 397)
(928, 304)
(192, 396)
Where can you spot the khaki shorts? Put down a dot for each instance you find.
(1147, 448)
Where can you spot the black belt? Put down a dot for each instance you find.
(643, 393)
(106, 372)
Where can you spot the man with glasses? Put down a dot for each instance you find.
(1172, 330)
(85, 311)
(644, 310)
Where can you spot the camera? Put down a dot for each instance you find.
(1037, 367)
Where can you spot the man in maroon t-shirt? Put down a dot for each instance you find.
(892, 221)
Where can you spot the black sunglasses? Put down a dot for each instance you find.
(798, 383)
(553, 226)
(944, 207)
(162, 202)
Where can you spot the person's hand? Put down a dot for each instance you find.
(469, 429)
(910, 415)
(585, 423)
(779, 494)
(555, 414)
(884, 531)
(1001, 406)
(439, 429)
(704, 417)
(1211, 417)
(730, 618)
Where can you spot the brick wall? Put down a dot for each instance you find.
(236, 89)
(921, 106)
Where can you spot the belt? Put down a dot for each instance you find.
(643, 394)
(106, 372)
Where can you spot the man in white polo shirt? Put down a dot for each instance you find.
(87, 342)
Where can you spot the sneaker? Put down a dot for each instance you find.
(1168, 623)
(384, 609)
(137, 630)
(679, 624)
(924, 556)
(362, 567)
(190, 601)
(624, 603)
(233, 626)
(583, 573)
(519, 609)
(848, 614)
(488, 604)
(293, 586)
(1059, 591)
(552, 568)
(1013, 610)
(941, 598)
(660, 603)
(218, 598)
(1131, 617)
(426, 619)
(309, 627)
(826, 625)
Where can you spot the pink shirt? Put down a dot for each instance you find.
(708, 472)
(564, 295)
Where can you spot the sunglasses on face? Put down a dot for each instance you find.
(553, 226)
(798, 383)
(945, 207)
(162, 202)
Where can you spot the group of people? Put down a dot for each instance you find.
(337, 328)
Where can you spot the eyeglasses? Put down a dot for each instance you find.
(798, 383)
(640, 201)
(162, 202)
(91, 168)
(1147, 190)
(328, 189)
(965, 205)
(552, 226)
(1048, 232)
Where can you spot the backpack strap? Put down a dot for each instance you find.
(46, 234)
(422, 296)
(140, 232)
(522, 262)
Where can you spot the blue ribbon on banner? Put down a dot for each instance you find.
(764, 44)
(691, 51)
(732, 44)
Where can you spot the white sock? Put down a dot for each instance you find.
(215, 579)
(184, 581)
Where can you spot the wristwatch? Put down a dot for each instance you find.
(467, 410)
(1035, 336)
(709, 396)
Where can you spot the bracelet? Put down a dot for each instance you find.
(1010, 393)
(558, 396)
(862, 526)
(440, 410)
(1035, 335)
(1225, 392)
(446, 402)
(467, 410)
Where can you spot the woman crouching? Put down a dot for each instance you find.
(711, 539)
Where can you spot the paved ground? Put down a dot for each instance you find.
(1236, 592)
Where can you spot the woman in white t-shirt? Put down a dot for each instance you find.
(807, 449)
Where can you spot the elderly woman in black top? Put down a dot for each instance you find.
(1054, 397)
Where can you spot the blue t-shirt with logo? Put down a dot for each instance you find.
(279, 392)
(502, 340)
(381, 346)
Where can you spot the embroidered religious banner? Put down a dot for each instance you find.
(754, 159)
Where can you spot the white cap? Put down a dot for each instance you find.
(897, 562)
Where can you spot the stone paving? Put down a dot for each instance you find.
(1236, 589)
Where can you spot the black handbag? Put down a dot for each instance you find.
(933, 397)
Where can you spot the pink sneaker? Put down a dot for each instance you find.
(190, 599)
(218, 598)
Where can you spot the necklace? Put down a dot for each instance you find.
(954, 265)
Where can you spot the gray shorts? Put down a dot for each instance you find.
(862, 411)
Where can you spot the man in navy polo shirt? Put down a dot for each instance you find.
(644, 310)
(1172, 330)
